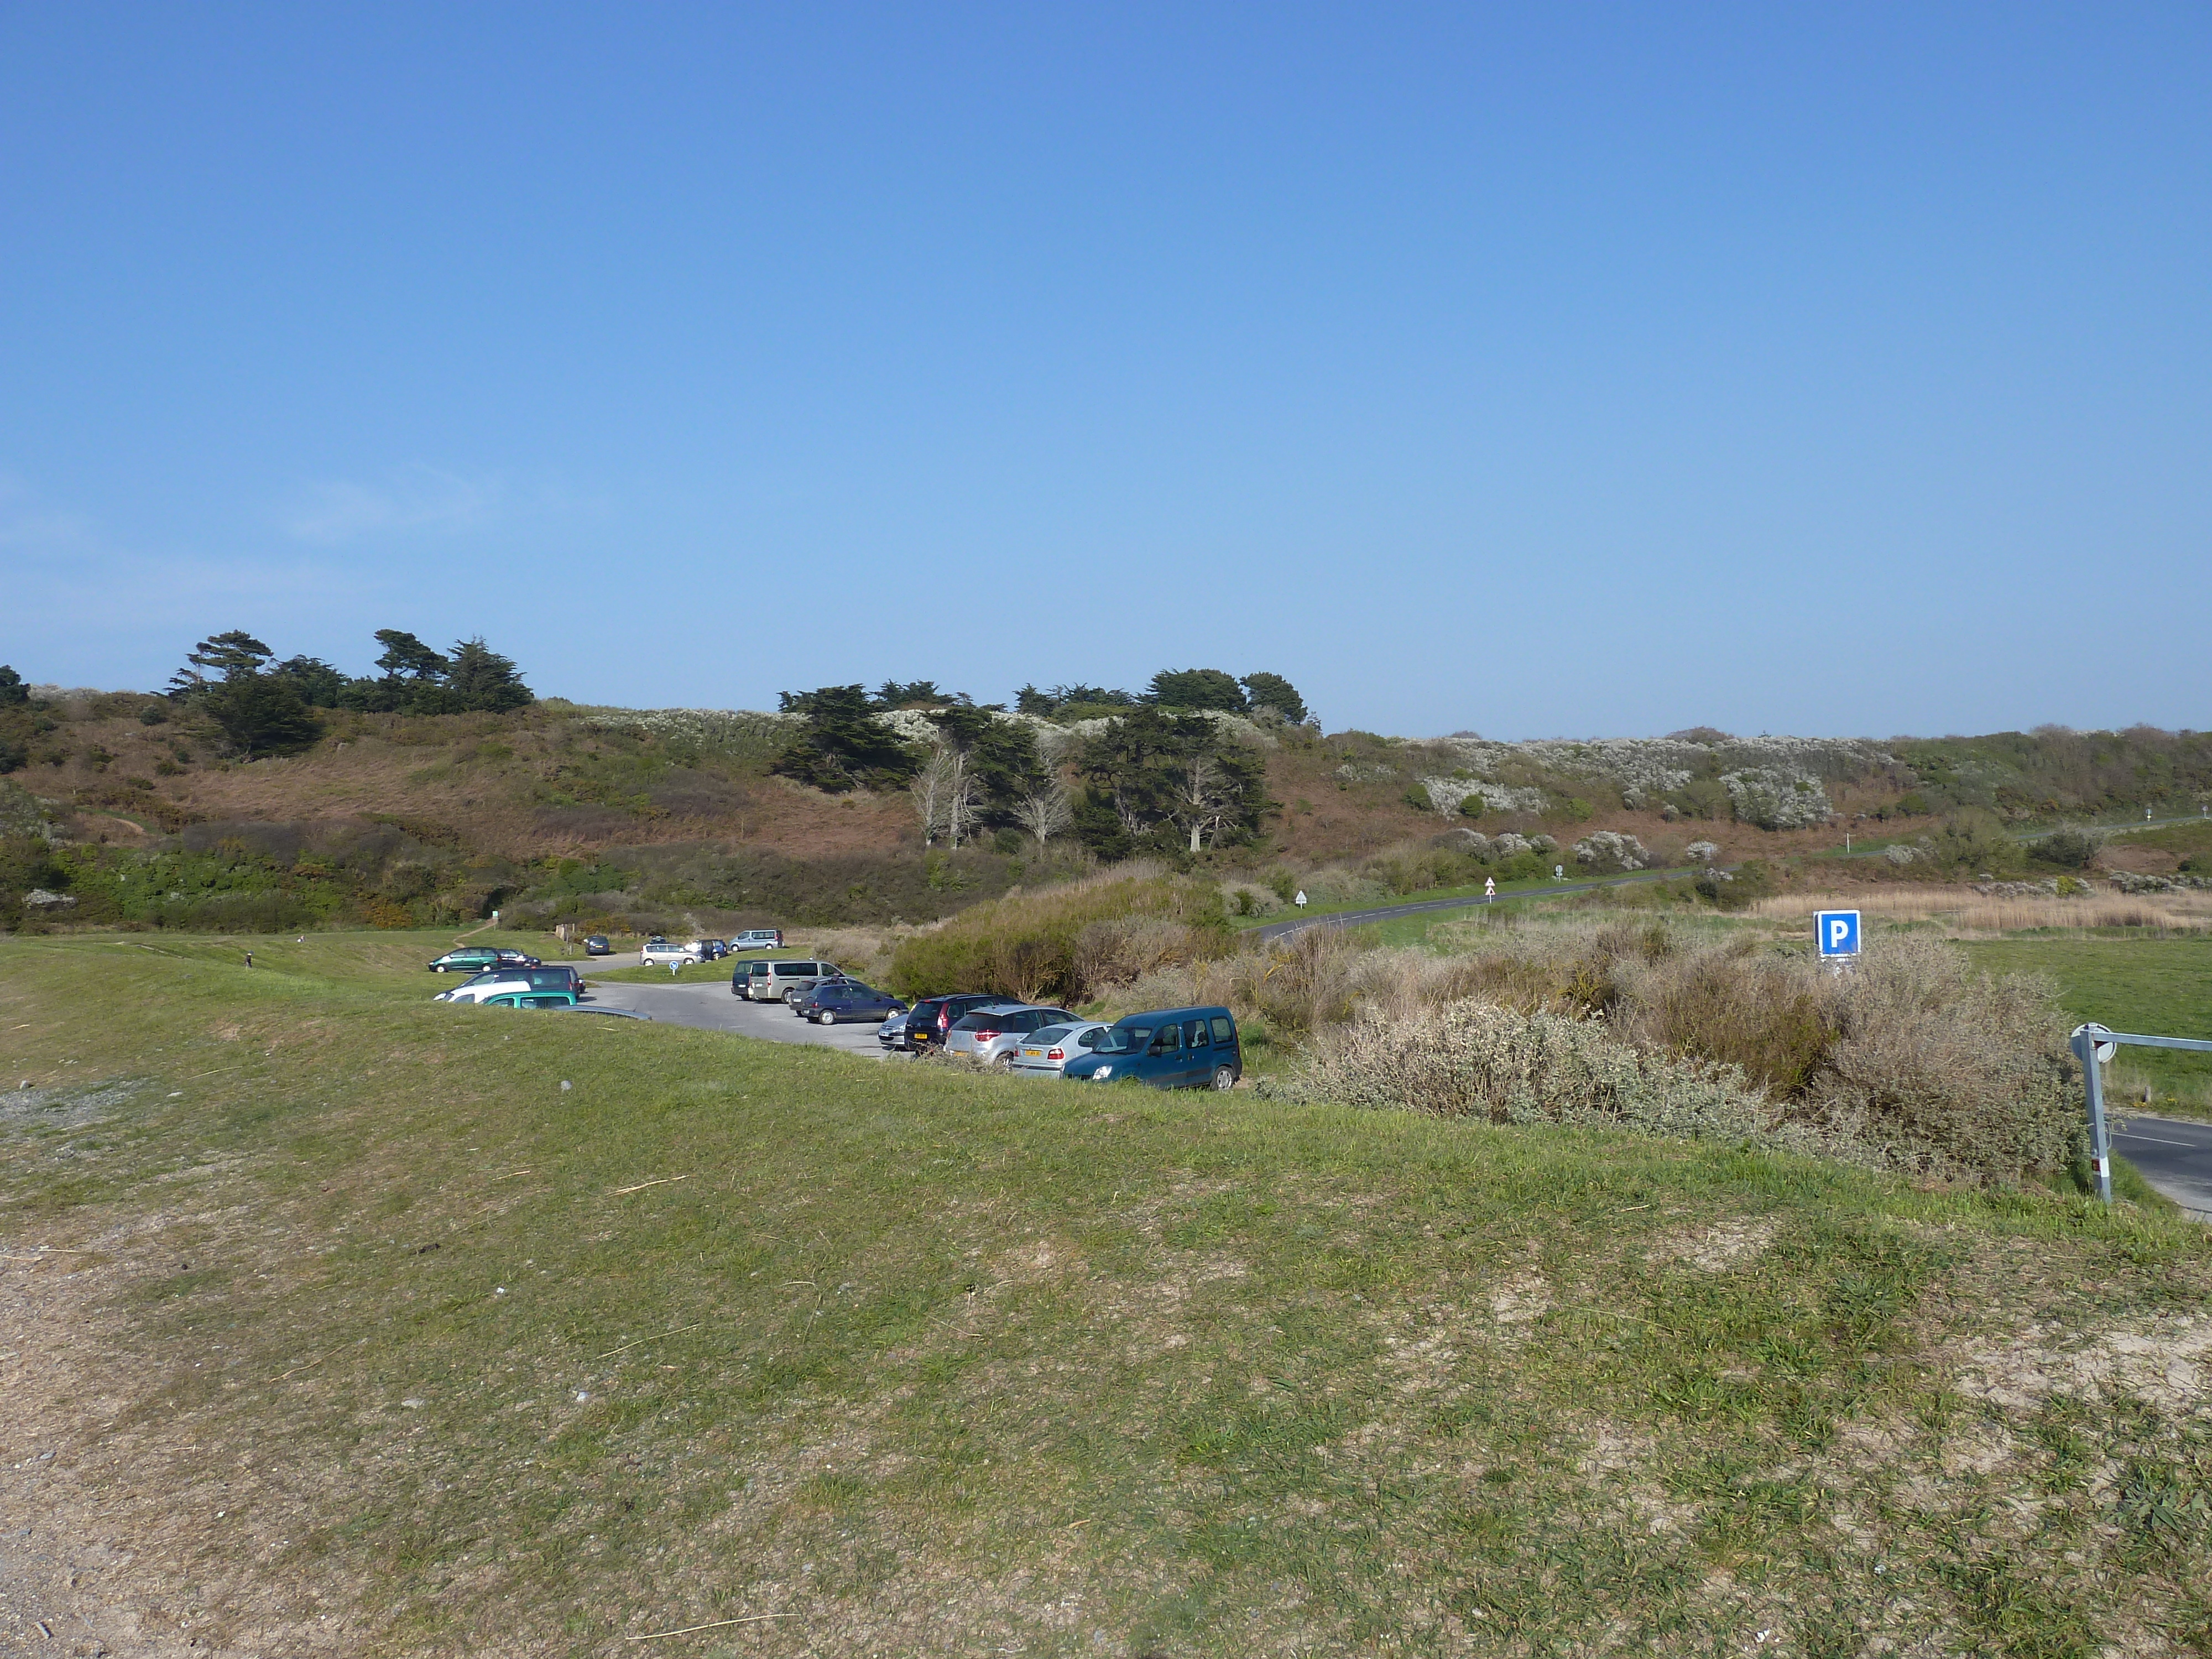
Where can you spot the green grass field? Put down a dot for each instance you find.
(459, 1331)
(2159, 986)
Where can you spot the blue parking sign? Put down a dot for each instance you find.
(1836, 932)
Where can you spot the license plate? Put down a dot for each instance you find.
(1032, 1054)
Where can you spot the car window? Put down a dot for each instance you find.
(1223, 1028)
(1125, 1039)
(502, 1002)
(1089, 1039)
(1049, 1034)
(1169, 1040)
(1193, 1035)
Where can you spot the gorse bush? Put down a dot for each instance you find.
(1065, 942)
(1912, 1061)
(1505, 1067)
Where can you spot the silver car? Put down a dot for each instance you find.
(1045, 1051)
(989, 1036)
(784, 980)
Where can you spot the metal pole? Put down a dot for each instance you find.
(2086, 1039)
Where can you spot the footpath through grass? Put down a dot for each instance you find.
(379, 1336)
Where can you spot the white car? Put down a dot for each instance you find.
(1045, 1052)
(659, 956)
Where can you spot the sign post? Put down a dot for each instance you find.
(2092, 1047)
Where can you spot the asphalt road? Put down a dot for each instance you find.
(2175, 1156)
(710, 1007)
(1389, 911)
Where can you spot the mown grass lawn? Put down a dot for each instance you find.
(919, 1362)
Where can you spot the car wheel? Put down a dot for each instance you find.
(826, 1017)
(1003, 1063)
(1224, 1079)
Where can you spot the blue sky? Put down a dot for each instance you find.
(1603, 369)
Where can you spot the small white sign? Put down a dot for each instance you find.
(1301, 898)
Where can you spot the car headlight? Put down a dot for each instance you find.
(1103, 1074)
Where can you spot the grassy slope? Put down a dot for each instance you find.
(2159, 986)
(932, 1361)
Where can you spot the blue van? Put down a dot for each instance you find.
(1168, 1049)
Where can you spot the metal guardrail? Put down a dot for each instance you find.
(2094, 1045)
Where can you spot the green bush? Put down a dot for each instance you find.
(1417, 797)
(2073, 850)
(1064, 941)
(1472, 806)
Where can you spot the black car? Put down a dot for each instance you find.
(519, 959)
(597, 945)
(847, 998)
(932, 1018)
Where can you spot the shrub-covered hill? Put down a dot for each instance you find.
(129, 808)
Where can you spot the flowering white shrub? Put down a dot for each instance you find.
(1701, 852)
(1448, 793)
(1509, 845)
(1543, 844)
(1900, 854)
(1776, 798)
(1607, 849)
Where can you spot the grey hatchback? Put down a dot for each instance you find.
(989, 1036)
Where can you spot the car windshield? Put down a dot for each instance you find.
(1050, 1034)
(1124, 1040)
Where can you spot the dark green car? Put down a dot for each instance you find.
(469, 959)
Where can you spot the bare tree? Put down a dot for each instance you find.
(1206, 798)
(931, 786)
(1045, 813)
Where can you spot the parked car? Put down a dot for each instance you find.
(519, 959)
(1168, 1049)
(660, 955)
(785, 980)
(929, 1019)
(496, 980)
(708, 950)
(989, 1036)
(892, 1032)
(745, 974)
(527, 999)
(847, 998)
(758, 939)
(597, 945)
(468, 959)
(1042, 1053)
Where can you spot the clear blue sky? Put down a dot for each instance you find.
(1593, 369)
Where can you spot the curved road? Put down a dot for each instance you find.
(1390, 912)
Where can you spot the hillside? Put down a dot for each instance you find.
(621, 817)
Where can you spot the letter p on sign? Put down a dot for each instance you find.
(1837, 932)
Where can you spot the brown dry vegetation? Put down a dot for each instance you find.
(1964, 914)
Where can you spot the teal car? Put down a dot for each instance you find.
(1167, 1049)
(524, 997)
(469, 959)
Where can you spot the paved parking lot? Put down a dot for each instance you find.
(710, 1007)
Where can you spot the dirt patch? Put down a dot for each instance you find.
(1716, 1248)
(2168, 1362)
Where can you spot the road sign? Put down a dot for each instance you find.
(1837, 932)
